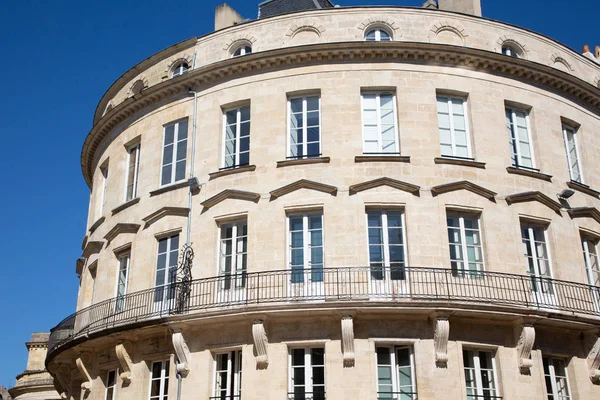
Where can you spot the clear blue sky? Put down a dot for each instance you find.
(58, 58)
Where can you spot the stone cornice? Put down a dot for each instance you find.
(303, 184)
(92, 247)
(163, 212)
(385, 181)
(230, 194)
(464, 185)
(589, 212)
(534, 196)
(121, 228)
(334, 53)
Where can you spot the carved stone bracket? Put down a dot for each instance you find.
(348, 340)
(62, 376)
(124, 361)
(260, 344)
(86, 384)
(183, 354)
(594, 362)
(440, 340)
(524, 346)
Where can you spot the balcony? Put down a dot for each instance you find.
(402, 287)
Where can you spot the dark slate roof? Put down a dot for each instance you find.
(275, 7)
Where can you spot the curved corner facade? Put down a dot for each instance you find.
(302, 213)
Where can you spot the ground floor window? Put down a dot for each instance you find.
(307, 374)
(557, 383)
(480, 375)
(159, 380)
(228, 376)
(395, 373)
(111, 385)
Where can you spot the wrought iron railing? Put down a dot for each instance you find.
(306, 396)
(396, 396)
(340, 284)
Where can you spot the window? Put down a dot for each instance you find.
(378, 35)
(306, 247)
(307, 374)
(537, 259)
(380, 134)
(464, 238)
(104, 173)
(557, 383)
(236, 137)
(174, 152)
(387, 252)
(480, 376)
(133, 165)
(517, 123)
(111, 385)
(166, 268)
(228, 376)
(510, 51)
(395, 374)
(590, 255)
(242, 51)
(233, 254)
(159, 380)
(180, 69)
(304, 127)
(453, 127)
(570, 137)
(122, 277)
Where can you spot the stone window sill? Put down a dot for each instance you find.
(529, 173)
(381, 158)
(125, 205)
(169, 188)
(303, 161)
(583, 188)
(97, 224)
(231, 171)
(465, 162)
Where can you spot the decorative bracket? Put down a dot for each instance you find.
(124, 361)
(440, 340)
(524, 347)
(183, 354)
(348, 340)
(86, 384)
(260, 344)
(62, 374)
(594, 362)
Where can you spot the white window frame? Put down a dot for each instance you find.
(386, 241)
(588, 254)
(304, 127)
(463, 243)
(166, 287)
(121, 298)
(552, 376)
(243, 50)
(307, 263)
(233, 371)
(379, 132)
(164, 379)
(465, 105)
(308, 370)
(176, 143)
(477, 372)
(113, 386)
(573, 132)
(136, 168)
(179, 69)
(510, 51)
(238, 124)
(531, 239)
(529, 138)
(378, 35)
(104, 174)
(396, 389)
(240, 279)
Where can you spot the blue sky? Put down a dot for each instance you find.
(58, 58)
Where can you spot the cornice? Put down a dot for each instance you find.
(589, 212)
(385, 181)
(303, 184)
(92, 247)
(230, 194)
(534, 196)
(163, 212)
(119, 229)
(464, 185)
(342, 52)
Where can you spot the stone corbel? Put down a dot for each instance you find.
(62, 374)
(124, 361)
(86, 384)
(183, 354)
(260, 344)
(524, 346)
(594, 362)
(348, 340)
(440, 341)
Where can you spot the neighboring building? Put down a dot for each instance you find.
(35, 383)
(4, 395)
(370, 194)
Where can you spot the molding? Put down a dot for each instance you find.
(381, 158)
(84, 242)
(86, 384)
(348, 341)
(183, 354)
(143, 81)
(230, 194)
(385, 181)
(534, 196)
(96, 224)
(231, 171)
(79, 264)
(447, 25)
(173, 61)
(125, 205)
(165, 212)
(315, 26)
(524, 346)
(458, 161)
(506, 40)
(464, 185)
(125, 363)
(557, 58)
(303, 161)
(259, 335)
(584, 189)
(169, 188)
(593, 360)
(531, 174)
(92, 247)
(440, 341)
(303, 184)
(589, 212)
(376, 22)
(119, 229)
(238, 40)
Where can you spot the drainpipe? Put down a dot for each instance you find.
(179, 377)
(192, 179)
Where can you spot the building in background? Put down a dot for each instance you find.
(4, 395)
(342, 203)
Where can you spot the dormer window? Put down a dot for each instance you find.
(180, 69)
(378, 35)
(242, 51)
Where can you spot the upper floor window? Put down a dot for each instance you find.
(480, 375)
(133, 165)
(387, 251)
(104, 174)
(159, 380)
(307, 374)
(537, 258)
(180, 69)
(510, 51)
(572, 148)
(453, 127)
(122, 281)
(590, 255)
(111, 385)
(306, 247)
(557, 382)
(304, 127)
(242, 50)
(228, 376)
(380, 134)
(236, 137)
(166, 272)
(395, 373)
(233, 254)
(517, 123)
(464, 238)
(378, 35)
(174, 152)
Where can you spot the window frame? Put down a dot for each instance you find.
(517, 149)
(306, 248)
(104, 174)
(308, 371)
(465, 272)
(552, 376)
(179, 69)
(234, 275)
(108, 387)
(176, 143)
(120, 299)
(164, 380)
(234, 372)
(238, 123)
(510, 51)
(136, 167)
(465, 106)
(477, 373)
(386, 264)
(243, 50)
(531, 239)
(379, 130)
(573, 131)
(393, 352)
(378, 31)
(166, 288)
(304, 156)
(586, 241)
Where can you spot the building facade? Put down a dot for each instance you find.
(342, 203)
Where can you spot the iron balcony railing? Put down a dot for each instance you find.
(307, 396)
(339, 284)
(396, 396)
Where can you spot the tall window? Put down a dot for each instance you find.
(307, 374)
(174, 152)
(387, 252)
(122, 278)
(537, 257)
(378, 35)
(395, 374)
(234, 252)
(236, 137)
(517, 123)
(180, 69)
(111, 385)
(104, 173)
(242, 51)
(590, 255)
(304, 127)
(464, 237)
(133, 165)
(306, 247)
(570, 137)
(380, 134)
(557, 383)
(453, 127)
(159, 380)
(480, 375)
(228, 376)
(166, 268)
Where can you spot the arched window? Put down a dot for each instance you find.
(510, 51)
(180, 69)
(242, 50)
(137, 87)
(378, 35)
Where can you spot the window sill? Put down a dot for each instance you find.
(529, 173)
(125, 205)
(169, 188)
(583, 188)
(97, 224)
(303, 161)
(459, 161)
(381, 158)
(231, 171)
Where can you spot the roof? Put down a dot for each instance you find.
(270, 8)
